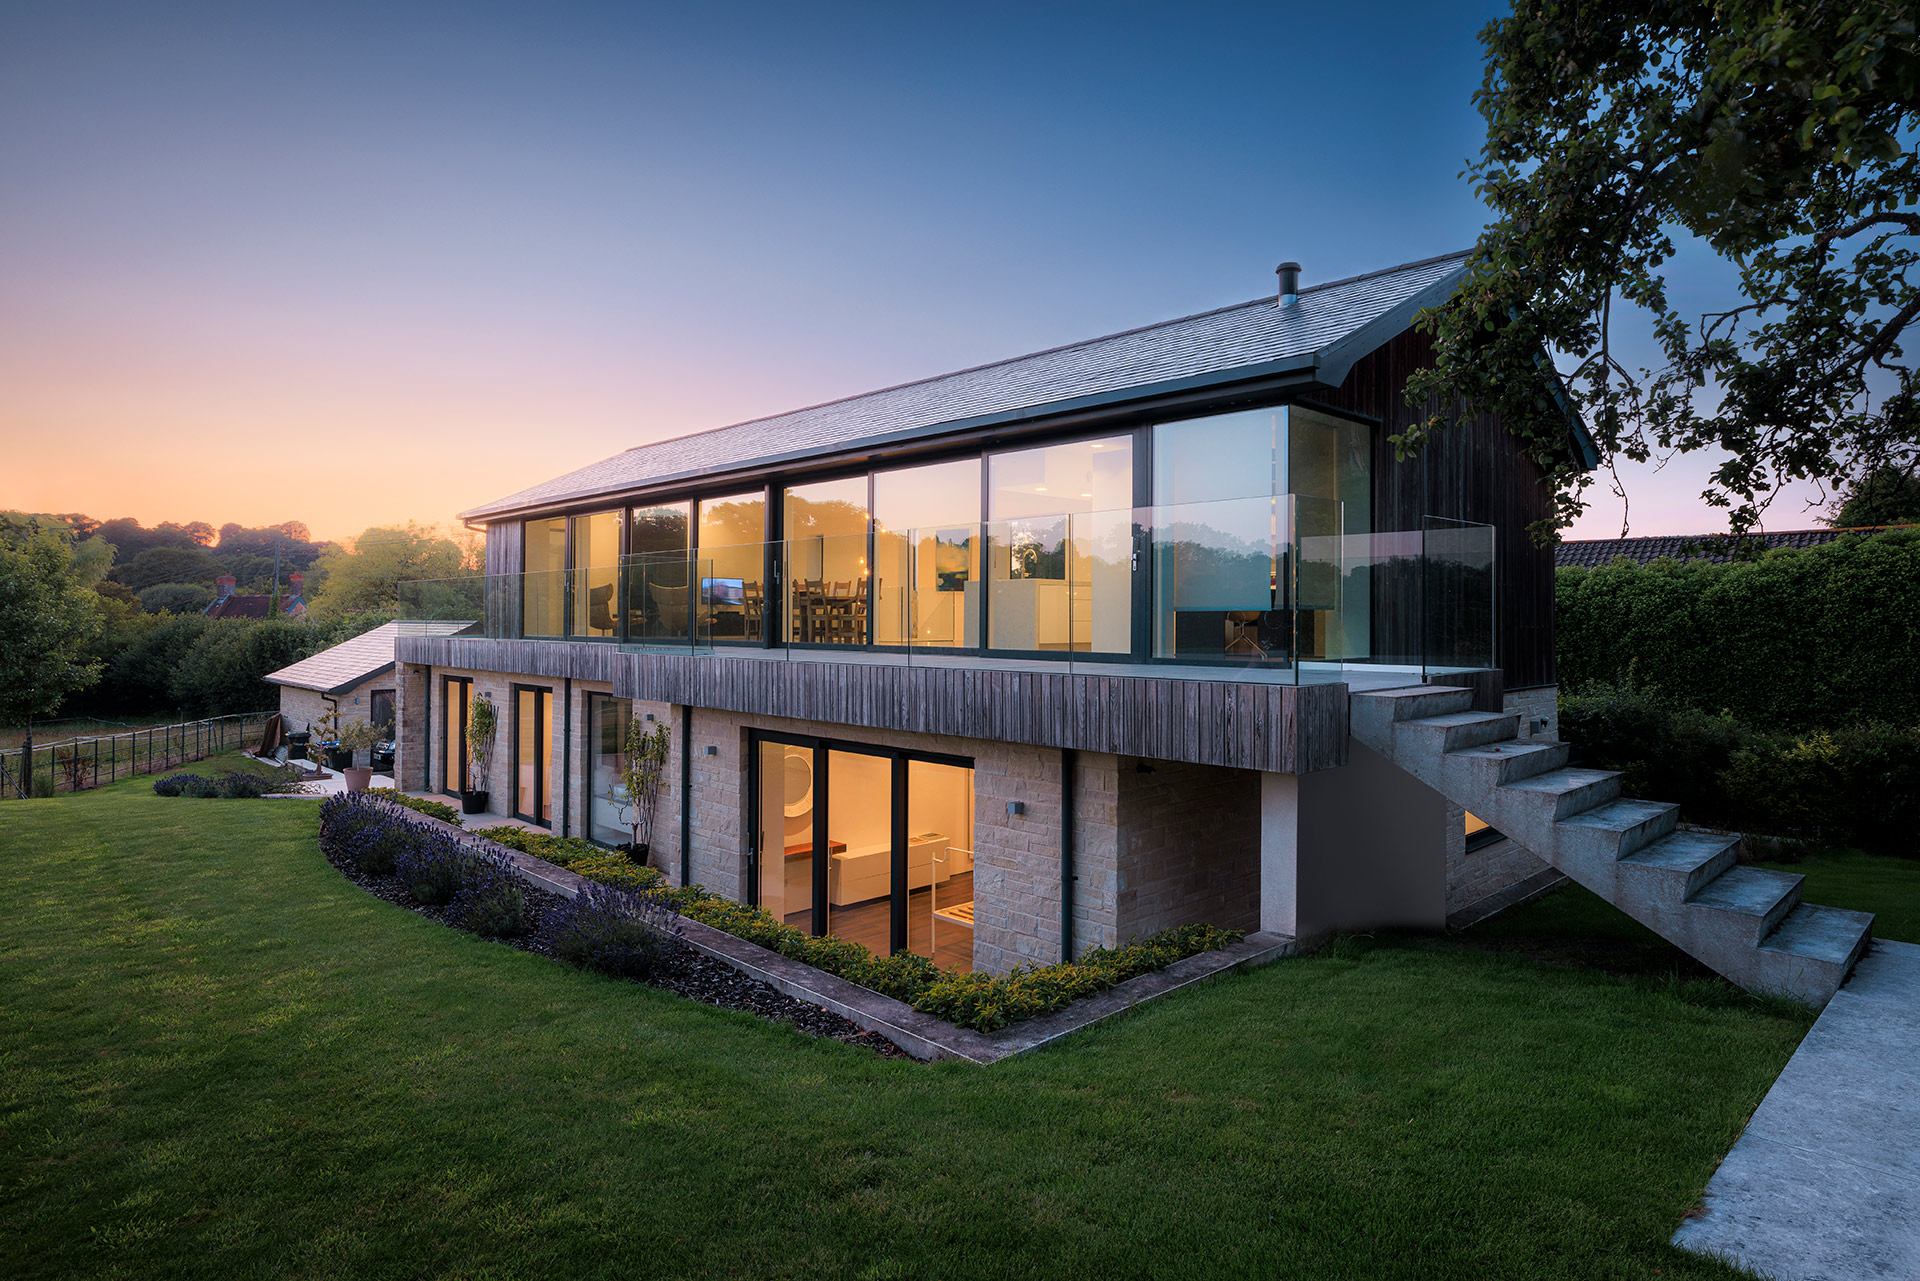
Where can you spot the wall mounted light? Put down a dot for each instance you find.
(1016, 808)
(710, 750)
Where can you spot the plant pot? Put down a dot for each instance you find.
(473, 802)
(339, 758)
(359, 779)
(635, 853)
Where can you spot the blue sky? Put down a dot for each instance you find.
(428, 235)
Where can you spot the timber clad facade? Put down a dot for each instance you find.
(1026, 659)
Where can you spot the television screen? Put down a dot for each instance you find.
(724, 591)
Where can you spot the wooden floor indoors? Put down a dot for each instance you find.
(870, 924)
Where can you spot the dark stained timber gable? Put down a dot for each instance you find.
(1280, 728)
(1473, 471)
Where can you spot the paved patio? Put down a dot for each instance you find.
(1825, 1182)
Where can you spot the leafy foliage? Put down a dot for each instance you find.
(483, 725)
(237, 785)
(1795, 640)
(1883, 497)
(49, 615)
(366, 578)
(1858, 785)
(583, 858)
(491, 900)
(1781, 135)
(434, 809)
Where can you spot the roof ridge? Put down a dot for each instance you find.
(1049, 351)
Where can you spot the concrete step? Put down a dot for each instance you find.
(1373, 714)
(1836, 935)
(1751, 901)
(1812, 952)
(1565, 792)
(1510, 761)
(1618, 828)
(1458, 730)
(1677, 866)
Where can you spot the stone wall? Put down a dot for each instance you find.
(302, 707)
(1541, 703)
(1189, 847)
(411, 729)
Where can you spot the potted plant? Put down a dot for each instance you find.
(638, 790)
(355, 737)
(482, 725)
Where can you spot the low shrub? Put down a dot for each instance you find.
(434, 809)
(356, 827)
(986, 1002)
(237, 785)
(435, 866)
(615, 932)
(491, 901)
(583, 858)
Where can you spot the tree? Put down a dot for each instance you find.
(175, 598)
(168, 565)
(49, 614)
(366, 577)
(641, 774)
(1780, 134)
(1885, 497)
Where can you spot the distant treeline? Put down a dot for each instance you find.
(173, 567)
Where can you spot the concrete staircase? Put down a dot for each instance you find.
(1746, 923)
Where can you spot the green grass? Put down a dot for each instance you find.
(217, 1057)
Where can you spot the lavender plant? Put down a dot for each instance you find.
(627, 935)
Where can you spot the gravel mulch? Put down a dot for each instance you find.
(690, 974)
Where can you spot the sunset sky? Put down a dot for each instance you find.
(354, 264)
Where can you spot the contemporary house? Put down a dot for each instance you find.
(1052, 652)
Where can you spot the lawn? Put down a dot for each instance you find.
(219, 1057)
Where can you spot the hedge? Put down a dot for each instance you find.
(1795, 640)
(1858, 785)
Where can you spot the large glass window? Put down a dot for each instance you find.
(1060, 529)
(657, 543)
(825, 528)
(731, 600)
(607, 719)
(545, 594)
(1259, 525)
(596, 561)
(926, 544)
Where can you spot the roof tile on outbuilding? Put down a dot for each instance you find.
(1331, 326)
(341, 667)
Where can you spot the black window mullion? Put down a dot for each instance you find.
(821, 850)
(901, 887)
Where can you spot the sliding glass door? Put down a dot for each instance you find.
(869, 844)
(532, 753)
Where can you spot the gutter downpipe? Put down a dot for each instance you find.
(686, 795)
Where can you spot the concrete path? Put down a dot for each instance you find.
(1824, 1185)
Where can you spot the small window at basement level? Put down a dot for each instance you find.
(1479, 834)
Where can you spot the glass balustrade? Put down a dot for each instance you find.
(1270, 587)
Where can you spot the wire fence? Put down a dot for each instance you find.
(77, 764)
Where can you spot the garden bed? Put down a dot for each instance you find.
(927, 1011)
(685, 972)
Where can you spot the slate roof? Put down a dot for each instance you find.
(1332, 325)
(1715, 549)
(335, 670)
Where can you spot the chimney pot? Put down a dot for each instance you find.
(1289, 273)
(223, 586)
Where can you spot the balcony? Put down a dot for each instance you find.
(1268, 591)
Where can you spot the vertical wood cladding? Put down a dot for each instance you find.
(1472, 471)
